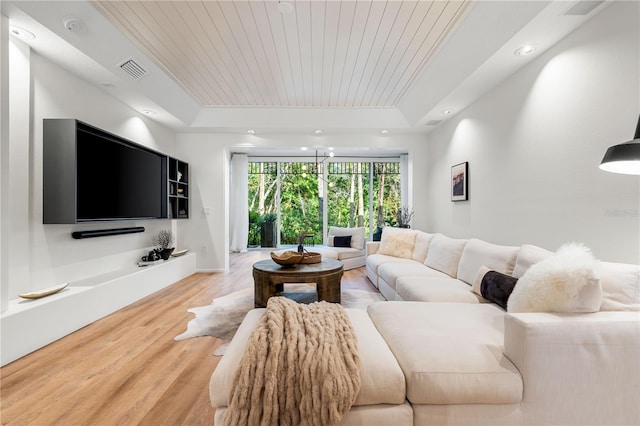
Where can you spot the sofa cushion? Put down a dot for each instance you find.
(436, 289)
(397, 242)
(421, 246)
(390, 272)
(444, 254)
(374, 261)
(479, 253)
(564, 282)
(357, 235)
(528, 255)
(620, 286)
(451, 353)
(382, 381)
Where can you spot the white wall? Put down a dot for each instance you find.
(46, 254)
(535, 142)
(4, 161)
(208, 156)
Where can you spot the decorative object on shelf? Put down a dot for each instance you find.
(179, 253)
(149, 262)
(163, 240)
(625, 157)
(404, 216)
(44, 292)
(287, 259)
(460, 182)
(153, 256)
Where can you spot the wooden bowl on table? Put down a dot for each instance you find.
(287, 259)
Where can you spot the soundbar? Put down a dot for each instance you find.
(78, 235)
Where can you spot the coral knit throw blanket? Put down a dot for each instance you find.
(301, 367)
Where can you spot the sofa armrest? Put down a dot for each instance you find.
(372, 247)
(580, 368)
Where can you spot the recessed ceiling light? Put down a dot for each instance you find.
(384, 132)
(304, 148)
(317, 132)
(21, 33)
(525, 50)
(72, 23)
(285, 7)
(148, 112)
(447, 111)
(251, 132)
(332, 154)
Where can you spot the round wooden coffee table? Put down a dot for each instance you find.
(269, 278)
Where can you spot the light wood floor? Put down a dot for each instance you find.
(126, 369)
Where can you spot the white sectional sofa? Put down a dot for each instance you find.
(437, 353)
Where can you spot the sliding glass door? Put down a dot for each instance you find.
(306, 197)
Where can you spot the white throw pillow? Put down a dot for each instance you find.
(397, 242)
(479, 253)
(421, 246)
(529, 255)
(564, 282)
(620, 286)
(357, 235)
(444, 254)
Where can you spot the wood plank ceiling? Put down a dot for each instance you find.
(321, 54)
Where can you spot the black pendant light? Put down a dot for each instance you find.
(625, 157)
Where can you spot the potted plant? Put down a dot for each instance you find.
(268, 230)
(163, 241)
(404, 216)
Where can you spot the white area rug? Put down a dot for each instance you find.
(222, 318)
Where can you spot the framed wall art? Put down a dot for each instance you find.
(460, 182)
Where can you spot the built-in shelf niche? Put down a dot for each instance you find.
(178, 189)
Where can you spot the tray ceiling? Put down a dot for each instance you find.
(343, 66)
(320, 54)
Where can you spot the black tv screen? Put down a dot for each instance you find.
(116, 180)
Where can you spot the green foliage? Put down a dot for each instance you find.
(254, 229)
(301, 203)
(269, 217)
(254, 217)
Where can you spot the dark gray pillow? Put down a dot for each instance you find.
(497, 287)
(344, 241)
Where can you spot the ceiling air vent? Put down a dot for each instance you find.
(433, 122)
(583, 7)
(133, 69)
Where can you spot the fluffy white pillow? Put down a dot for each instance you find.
(564, 282)
(397, 242)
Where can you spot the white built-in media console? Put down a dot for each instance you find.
(93, 177)
(29, 324)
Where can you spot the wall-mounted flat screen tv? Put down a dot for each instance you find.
(91, 175)
(116, 180)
